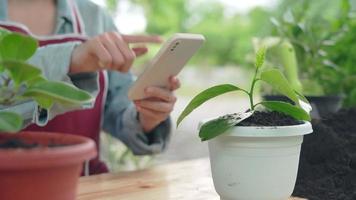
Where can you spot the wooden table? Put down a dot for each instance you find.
(188, 180)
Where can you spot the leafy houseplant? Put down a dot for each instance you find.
(314, 37)
(38, 165)
(281, 52)
(21, 81)
(237, 151)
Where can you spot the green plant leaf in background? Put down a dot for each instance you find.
(282, 54)
(59, 92)
(260, 57)
(20, 71)
(10, 122)
(205, 96)
(17, 47)
(288, 109)
(277, 80)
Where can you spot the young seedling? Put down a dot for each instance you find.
(273, 77)
(20, 81)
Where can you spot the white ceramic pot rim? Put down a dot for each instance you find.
(270, 131)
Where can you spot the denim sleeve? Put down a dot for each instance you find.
(120, 119)
(54, 61)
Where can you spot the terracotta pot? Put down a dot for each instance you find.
(43, 173)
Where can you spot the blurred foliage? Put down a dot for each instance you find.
(228, 36)
(312, 33)
(323, 43)
(322, 40)
(343, 53)
(119, 157)
(112, 5)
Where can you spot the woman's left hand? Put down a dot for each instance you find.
(157, 105)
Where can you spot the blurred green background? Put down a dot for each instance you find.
(321, 32)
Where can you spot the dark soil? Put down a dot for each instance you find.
(327, 169)
(16, 143)
(19, 144)
(263, 118)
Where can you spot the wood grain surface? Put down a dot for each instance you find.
(188, 180)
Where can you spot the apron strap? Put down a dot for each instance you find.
(78, 25)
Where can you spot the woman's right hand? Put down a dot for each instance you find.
(109, 51)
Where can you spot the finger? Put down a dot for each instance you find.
(139, 51)
(160, 93)
(128, 54)
(142, 38)
(118, 59)
(158, 106)
(100, 52)
(174, 83)
(159, 116)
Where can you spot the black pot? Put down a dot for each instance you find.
(322, 105)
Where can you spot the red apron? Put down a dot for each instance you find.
(83, 122)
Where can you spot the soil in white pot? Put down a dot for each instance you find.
(261, 118)
(327, 169)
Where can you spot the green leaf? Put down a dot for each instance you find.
(220, 125)
(36, 80)
(288, 109)
(260, 57)
(15, 46)
(44, 102)
(20, 71)
(279, 82)
(214, 128)
(205, 96)
(3, 33)
(302, 97)
(58, 92)
(10, 122)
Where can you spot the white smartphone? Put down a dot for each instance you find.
(169, 61)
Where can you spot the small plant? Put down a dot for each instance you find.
(20, 81)
(273, 77)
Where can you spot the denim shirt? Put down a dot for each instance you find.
(120, 115)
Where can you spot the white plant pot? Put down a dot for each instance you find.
(257, 163)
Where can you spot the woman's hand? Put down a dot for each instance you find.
(109, 51)
(157, 105)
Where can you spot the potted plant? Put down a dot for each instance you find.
(35, 165)
(282, 53)
(254, 155)
(306, 37)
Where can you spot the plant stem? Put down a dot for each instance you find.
(250, 94)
